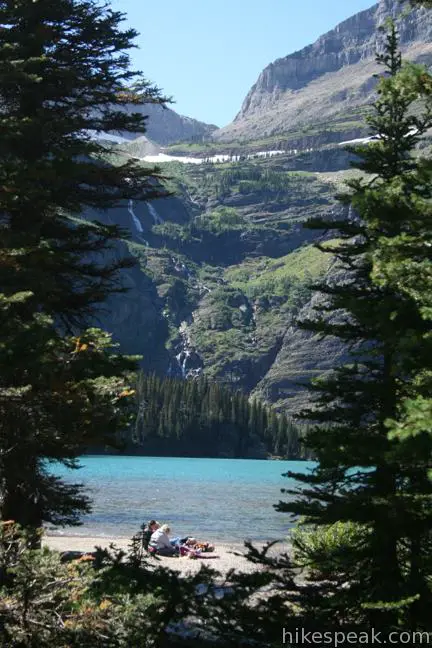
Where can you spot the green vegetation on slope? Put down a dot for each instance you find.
(282, 142)
(233, 264)
(263, 190)
(221, 220)
(239, 326)
(266, 277)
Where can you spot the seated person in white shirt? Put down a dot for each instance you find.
(160, 541)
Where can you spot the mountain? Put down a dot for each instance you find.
(165, 126)
(224, 266)
(222, 270)
(140, 147)
(326, 84)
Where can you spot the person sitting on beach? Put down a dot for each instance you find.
(147, 532)
(160, 542)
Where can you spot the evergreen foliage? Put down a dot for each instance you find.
(371, 474)
(58, 396)
(97, 600)
(221, 219)
(205, 418)
(64, 78)
(422, 3)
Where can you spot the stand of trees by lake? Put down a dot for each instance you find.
(202, 418)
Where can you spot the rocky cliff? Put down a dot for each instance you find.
(165, 126)
(330, 80)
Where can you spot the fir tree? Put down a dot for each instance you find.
(376, 479)
(58, 395)
(64, 78)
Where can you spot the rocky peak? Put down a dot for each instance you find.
(337, 68)
(352, 40)
(165, 126)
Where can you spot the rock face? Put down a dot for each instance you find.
(330, 79)
(302, 357)
(135, 317)
(165, 126)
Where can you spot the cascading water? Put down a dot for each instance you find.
(136, 222)
(182, 359)
(188, 361)
(156, 218)
(135, 219)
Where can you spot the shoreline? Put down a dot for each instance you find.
(222, 559)
(125, 538)
(130, 453)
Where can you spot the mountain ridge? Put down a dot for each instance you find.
(329, 79)
(165, 126)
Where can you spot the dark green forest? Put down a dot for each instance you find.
(204, 418)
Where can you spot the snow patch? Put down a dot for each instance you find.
(375, 138)
(360, 140)
(163, 157)
(214, 159)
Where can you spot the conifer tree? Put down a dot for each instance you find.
(273, 426)
(64, 79)
(369, 472)
(253, 417)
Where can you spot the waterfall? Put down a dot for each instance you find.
(188, 361)
(156, 218)
(137, 222)
(135, 219)
(182, 359)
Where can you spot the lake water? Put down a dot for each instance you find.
(216, 499)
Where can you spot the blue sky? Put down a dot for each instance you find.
(207, 54)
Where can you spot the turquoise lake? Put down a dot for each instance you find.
(215, 499)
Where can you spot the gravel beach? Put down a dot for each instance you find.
(222, 559)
